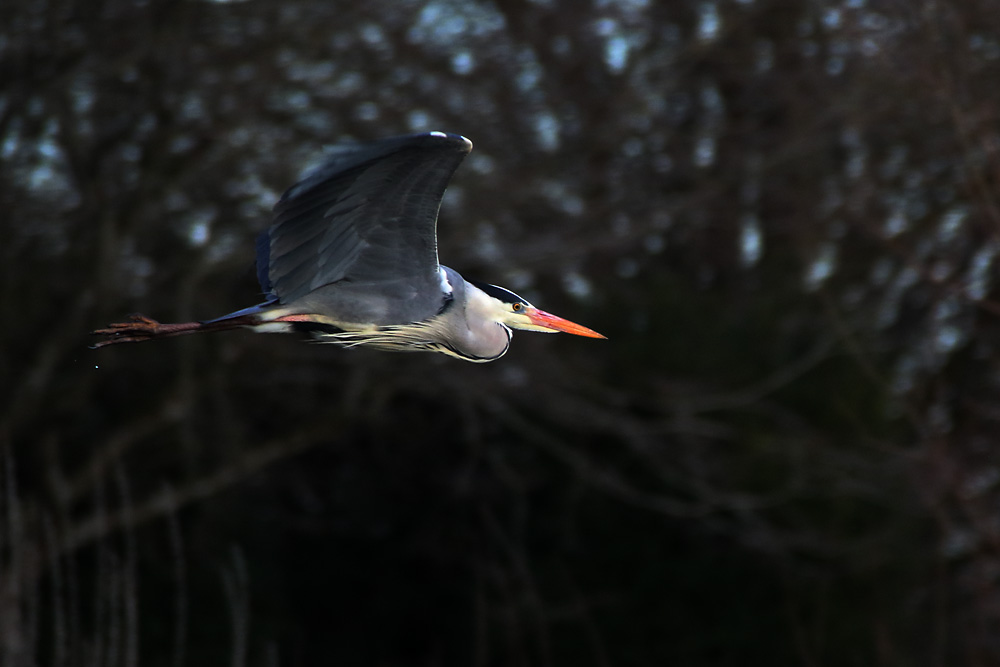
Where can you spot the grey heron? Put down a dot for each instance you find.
(351, 257)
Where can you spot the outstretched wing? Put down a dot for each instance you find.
(368, 214)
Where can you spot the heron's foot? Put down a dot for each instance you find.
(139, 328)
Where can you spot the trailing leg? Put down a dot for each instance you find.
(140, 328)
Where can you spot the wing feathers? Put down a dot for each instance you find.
(368, 213)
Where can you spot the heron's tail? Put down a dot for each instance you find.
(140, 328)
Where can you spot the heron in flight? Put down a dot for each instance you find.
(351, 257)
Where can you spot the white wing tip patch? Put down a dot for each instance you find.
(445, 135)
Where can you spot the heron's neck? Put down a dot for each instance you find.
(477, 333)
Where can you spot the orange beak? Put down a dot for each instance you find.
(550, 321)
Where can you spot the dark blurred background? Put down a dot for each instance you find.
(783, 214)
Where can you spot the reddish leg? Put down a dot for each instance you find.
(139, 328)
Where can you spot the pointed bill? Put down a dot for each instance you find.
(556, 323)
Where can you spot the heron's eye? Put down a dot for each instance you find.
(517, 306)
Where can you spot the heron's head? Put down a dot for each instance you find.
(516, 313)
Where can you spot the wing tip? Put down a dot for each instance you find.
(350, 154)
(456, 139)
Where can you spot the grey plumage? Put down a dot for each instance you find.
(365, 222)
(351, 257)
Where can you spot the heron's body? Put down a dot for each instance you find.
(351, 257)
